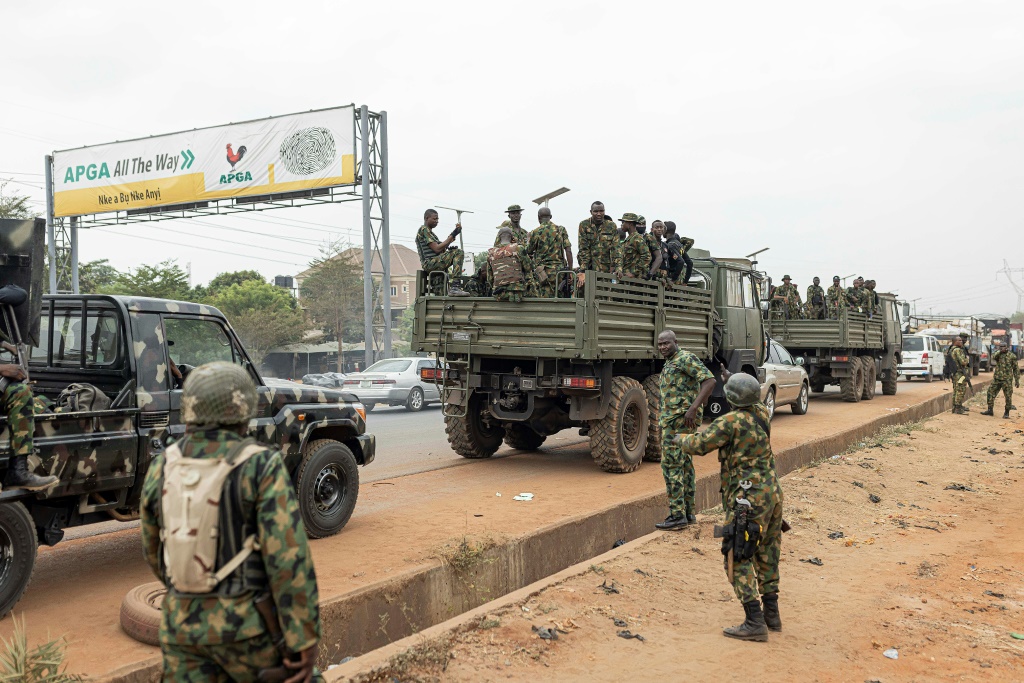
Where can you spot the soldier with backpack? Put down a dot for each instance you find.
(222, 529)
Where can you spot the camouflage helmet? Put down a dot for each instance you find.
(640, 220)
(742, 390)
(218, 393)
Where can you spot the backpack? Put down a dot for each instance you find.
(83, 396)
(190, 513)
(506, 266)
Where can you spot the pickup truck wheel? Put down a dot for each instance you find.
(18, 543)
(802, 401)
(471, 436)
(522, 437)
(870, 378)
(415, 401)
(652, 386)
(889, 385)
(851, 387)
(618, 442)
(327, 484)
(141, 612)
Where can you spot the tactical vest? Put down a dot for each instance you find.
(423, 246)
(506, 266)
(209, 547)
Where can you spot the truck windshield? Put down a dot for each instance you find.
(913, 343)
(194, 341)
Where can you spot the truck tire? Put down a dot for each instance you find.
(850, 388)
(327, 486)
(889, 385)
(870, 378)
(141, 612)
(618, 442)
(653, 390)
(522, 437)
(817, 385)
(470, 436)
(18, 543)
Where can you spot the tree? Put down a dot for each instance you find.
(14, 205)
(1017, 317)
(225, 280)
(264, 316)
(333, 294)
(479, 261)
(405, 325)
(95, 276)
(165, 280)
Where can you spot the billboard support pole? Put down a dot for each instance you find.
(74, 254)
(371, 131)
(385, 229)
(51, 234)
(364, 177)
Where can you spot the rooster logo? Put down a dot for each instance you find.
(235, 157)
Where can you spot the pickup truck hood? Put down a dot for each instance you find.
(282, 391)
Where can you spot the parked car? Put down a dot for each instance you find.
(785, 381)
(330, 380)
(923, 356)
(394, 382)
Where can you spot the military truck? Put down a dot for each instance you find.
(853, 352)
(520, 372)
(127, 348)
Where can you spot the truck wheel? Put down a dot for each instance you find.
(652, 388)
(802, 401)
(415, 400)
(141, 612)
(470, 436)
(18, 543)
(618, 442)
(889, 386)
(870, 378)
(327, 484)
(817, 386)
(851, 387)
(522, 437)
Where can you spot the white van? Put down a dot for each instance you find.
(922, 357)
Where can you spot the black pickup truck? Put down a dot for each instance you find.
(126, 347)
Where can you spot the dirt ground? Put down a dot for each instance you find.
(932, 570)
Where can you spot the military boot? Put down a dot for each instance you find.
(987, 412)
(770, 601)
(690, 517)
(455, 289)
(19, 476)
(753, 627)
(672, 522)
(1006, 415)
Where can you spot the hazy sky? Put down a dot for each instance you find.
(878, 138)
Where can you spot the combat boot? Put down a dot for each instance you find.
(672, 522)
(19, 477)
(987, 412)
(1006, 415)
(772, 620)
(455, 289)
(753, 627)
(690, 517)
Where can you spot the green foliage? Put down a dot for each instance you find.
(95, 276)
(225, 280)
(166, 280)
(1017, 317)
(263, 316)
(41, 664)
(405, 325)
(14, 205)
(333, 293)
(479, 261)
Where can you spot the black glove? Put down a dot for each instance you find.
(456, 231)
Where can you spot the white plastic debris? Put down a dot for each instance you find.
(498, 495)
(523, 496)
(892, 653)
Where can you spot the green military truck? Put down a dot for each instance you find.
(126, 348)
(520, 372)
(853, 352)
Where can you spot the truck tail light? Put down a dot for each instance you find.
(579, 383)
(841, 359)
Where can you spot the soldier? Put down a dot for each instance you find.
(519, 233)
(961, 372)
(440, 256)
(787, 298)
(1005, 376)
(658, 234)
(750, 489)
(510, 271)
(653, 244)
(599, 244)
(636, 255)
(679, 263)
(836, 297)
(259, 611)
(874, 303)
(550, 251)
(816, 300)
(685, 386)
(855, 296)
(19, 407)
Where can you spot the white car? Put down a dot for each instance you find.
(785, 381)
(922, 357)
(394, 382)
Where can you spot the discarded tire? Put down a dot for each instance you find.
(140, 612)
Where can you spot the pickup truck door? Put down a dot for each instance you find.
(789, 376)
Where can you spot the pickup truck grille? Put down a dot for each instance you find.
(156, 419)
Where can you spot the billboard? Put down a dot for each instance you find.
(305, 151)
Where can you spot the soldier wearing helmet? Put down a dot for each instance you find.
(262, 614)
(750, 491)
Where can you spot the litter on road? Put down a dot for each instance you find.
(523, 496)
(892, 653)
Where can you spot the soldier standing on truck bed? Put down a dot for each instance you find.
(787, 298)
(550, 250)
(836, 297)
(657, 237)
(816, 300)
(436, 255)
(636, 255)
(242, 601)
(855, 296)
(874, 302)
(519, 233)
(510, 270)
(1005, 375)
(685, 386)
(599, 243)
(961, 372)
(653, 245)
(679, 263)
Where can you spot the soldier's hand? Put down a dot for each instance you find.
(11, 371)
(457, 230)
(303, 668)
(690, 418)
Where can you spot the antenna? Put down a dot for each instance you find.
(458, 219)
(1008, 271)
(544, 199)
(753, 261)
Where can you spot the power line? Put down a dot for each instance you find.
(216, 251)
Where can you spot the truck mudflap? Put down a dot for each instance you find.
(368, 444)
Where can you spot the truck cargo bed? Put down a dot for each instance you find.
(851, 331)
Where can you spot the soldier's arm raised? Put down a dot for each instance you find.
(702, 443)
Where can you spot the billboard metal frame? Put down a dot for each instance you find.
(370, 188)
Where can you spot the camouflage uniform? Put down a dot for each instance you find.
(654, 246)
(217, 637)
(636, 256)
(20, 409)
(791, 305)
(449, 260)
(814, 311)
(547, 245)
(836, 300)
(599, 247)
(520, 235)
(856, 300)
(519, 279)
(1006, 373)
(961, 369)
(745, 454)
(679, 385)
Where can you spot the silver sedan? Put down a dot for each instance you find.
(394, 382)
(785, 381)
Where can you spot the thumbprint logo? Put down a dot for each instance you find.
(308, 151)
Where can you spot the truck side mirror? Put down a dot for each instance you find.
(906, 310)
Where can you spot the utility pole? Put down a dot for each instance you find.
(1008, 272)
